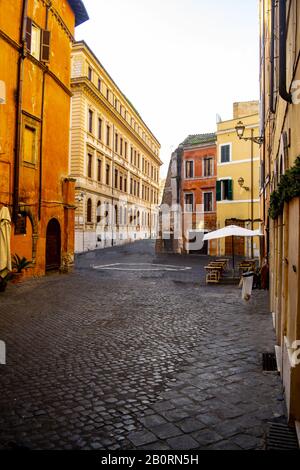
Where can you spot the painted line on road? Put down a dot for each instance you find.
(140, 267)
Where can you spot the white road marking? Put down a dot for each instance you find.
(140, 267)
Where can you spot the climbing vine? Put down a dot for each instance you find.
(288, 188)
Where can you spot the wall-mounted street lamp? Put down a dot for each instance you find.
(241, 182)
(240, 130)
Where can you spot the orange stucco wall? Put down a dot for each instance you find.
(49, 110)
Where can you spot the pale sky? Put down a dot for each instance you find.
(180, 62)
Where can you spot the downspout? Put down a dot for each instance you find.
(18, 147)
(285, 95)
(272, 54)
(42, 129)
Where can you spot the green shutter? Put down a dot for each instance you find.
(219, 190)
(230, 190)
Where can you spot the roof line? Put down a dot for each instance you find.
(82, 42)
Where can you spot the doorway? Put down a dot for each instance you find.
(53, 246)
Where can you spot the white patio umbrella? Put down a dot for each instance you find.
(5, 230)
(231, 231)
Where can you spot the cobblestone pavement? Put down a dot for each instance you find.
(110, 359)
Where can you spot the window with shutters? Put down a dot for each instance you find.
(37, 41)
(107, 177)
(90, 163)
(99, 129)
(208, 167)
(224, 190)
(225, 153)
(189, 169)
(208, 202)
(189, 202)
(45, 46)
(99, 167)
(107, 136)
(90, 121)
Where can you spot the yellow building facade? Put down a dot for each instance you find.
(280, 189)
(238, 179)
(114, 159)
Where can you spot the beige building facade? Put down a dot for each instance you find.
(280, 188)
(114, 159)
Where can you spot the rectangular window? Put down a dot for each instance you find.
(131, 155)
(99, 84)
(208, 167)
(121, 146)
(107, 94)
(116, 179)
(99, 168)
(90, 73)
(99, 129)
(116, 142)
(29, 144)
(90, 163)
(189, 169)
(225, 153)
(135, 158)
(225, 190)
(90, 123)
(107, 136)
(35, 42)
(121, 183)
(208, 202)
(125, 185)
(189, 202)
(126, 150)
(107, 175)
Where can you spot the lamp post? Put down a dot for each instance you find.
(240, 131)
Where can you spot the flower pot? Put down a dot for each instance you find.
(17, 278)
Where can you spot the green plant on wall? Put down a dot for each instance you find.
(288, 188)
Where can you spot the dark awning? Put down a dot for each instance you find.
(80, 11)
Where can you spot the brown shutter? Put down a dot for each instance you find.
(28, 33)
(45, 46)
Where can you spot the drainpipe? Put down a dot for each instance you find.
(18, 147)
(272, 56)
(285, 95)
(42, 130)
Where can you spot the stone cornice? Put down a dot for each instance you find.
(84, 84)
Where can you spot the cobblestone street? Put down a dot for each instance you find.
(135, 357)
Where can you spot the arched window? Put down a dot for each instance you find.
(99, 212)
(89, 211)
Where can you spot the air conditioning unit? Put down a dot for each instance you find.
(2, 92)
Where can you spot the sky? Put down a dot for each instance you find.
(180, 62)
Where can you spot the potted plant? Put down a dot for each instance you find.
(19, 265)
